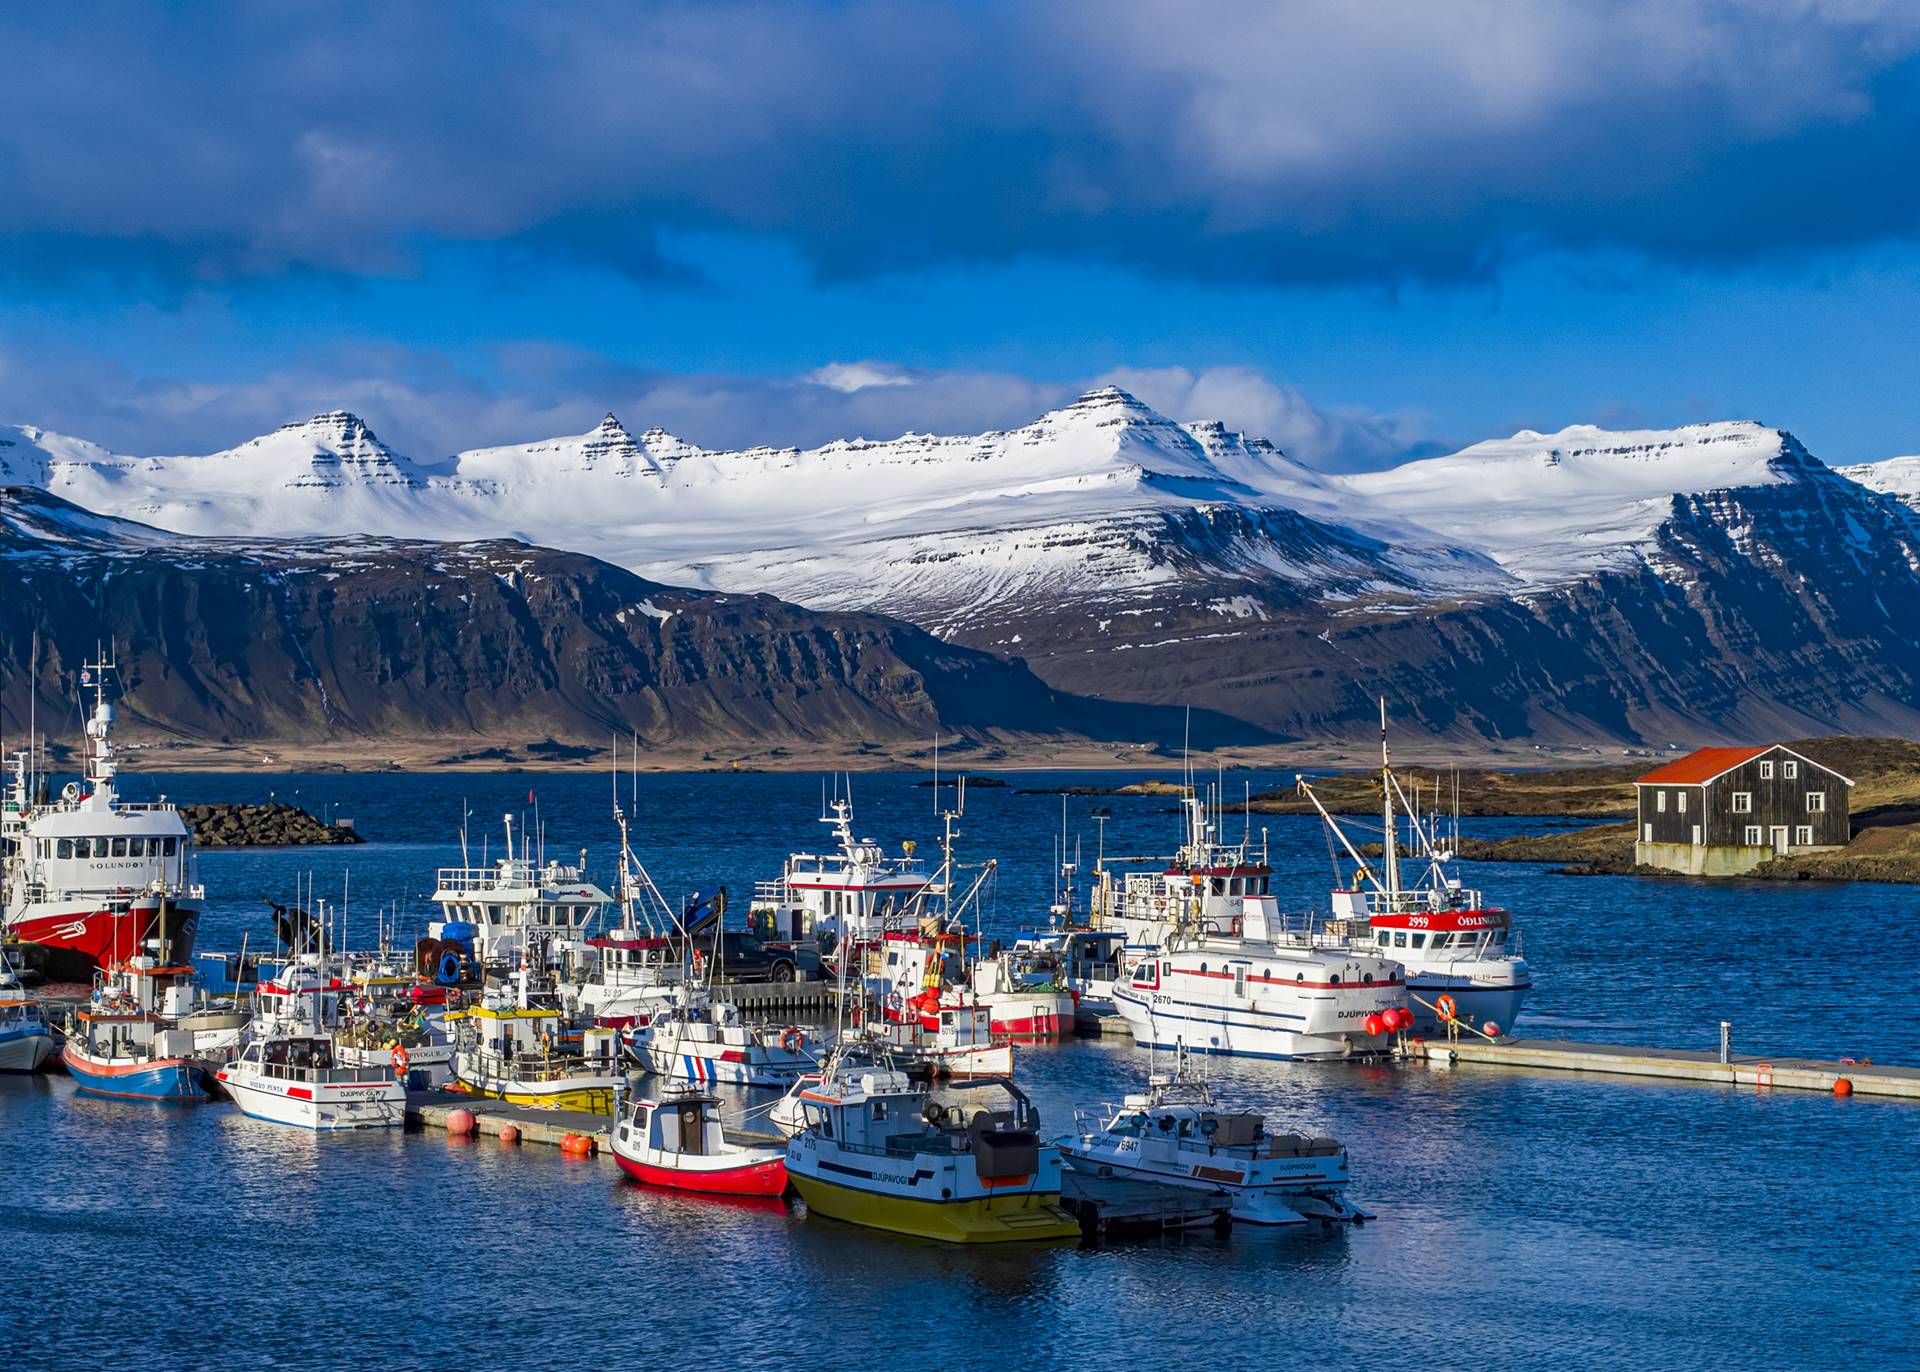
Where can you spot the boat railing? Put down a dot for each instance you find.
(327, 1076)
(504, 877)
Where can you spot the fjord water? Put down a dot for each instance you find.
(1523, 1219)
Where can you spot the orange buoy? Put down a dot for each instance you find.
(1842, 1087)
(461, 1123)
(509, 1135)
(1490, 1029)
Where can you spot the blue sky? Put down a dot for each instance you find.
(1365, 231)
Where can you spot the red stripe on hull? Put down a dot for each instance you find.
(99, 936)
(755, 1179)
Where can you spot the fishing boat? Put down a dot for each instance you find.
(1220, 971)
(26, 1039)
(845, 898)
(945, 1040)
(703, 1039)
(291, 1077)
(149, 1032)
(677, 1141)
(1462, 956)
(1175, 1134)
(514, 1046)
(520, 903)
(88, 877)
(957, 1164)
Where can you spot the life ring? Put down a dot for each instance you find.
(1447, 1007)
(399, 1061)
(793, 1040)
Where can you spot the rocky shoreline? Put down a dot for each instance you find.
(222, 824)
(1878, 852)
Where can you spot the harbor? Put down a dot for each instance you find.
(524, 1026)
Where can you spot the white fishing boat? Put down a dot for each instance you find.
(26, 1039)
(852, 894)
(520, 904)
(704, 1039)
(1175, 1134)
(946, 1040)
(960, 1164)
(89, 877)
(292, 1077)
(1220, 971)
(1462, 956)
(631, 972)
(677, 1141)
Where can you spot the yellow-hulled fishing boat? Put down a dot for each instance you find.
(511, 1049)
(963, 1164)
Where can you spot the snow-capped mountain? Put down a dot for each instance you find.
(1898, 477)
(1127, 555)
(349, 636)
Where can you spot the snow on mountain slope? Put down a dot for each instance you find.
(1101, 507)
(1553, 508)
(1898, 477)
(328, 474)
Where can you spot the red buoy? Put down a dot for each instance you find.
(1373, 1026)
(509, 1135)
(1490, 1029)
(1402, 1017)
(461, 1123)
(1842, 1087)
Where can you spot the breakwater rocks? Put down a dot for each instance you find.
(274, 825)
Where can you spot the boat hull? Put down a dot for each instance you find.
(321, 1109)
(1295, 1200)
(1022, 1217)
(1476, 1004)
(24, 1053)
(592, 1097)
(763, 1176)
(727, 1067)
(78, 938)
(160, 1079)
(1161, 1021)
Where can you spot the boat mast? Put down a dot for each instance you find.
(1389, 858)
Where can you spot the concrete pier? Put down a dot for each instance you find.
(1679, 1064)
(429, 1110)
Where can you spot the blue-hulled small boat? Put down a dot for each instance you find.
(121, 1043)
(25, 1039)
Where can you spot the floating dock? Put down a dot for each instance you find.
(429, 1110)
(812, 1000)
(1864, 1078)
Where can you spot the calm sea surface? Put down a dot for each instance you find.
(1523, 1220)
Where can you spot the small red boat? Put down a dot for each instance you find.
(677, 1142)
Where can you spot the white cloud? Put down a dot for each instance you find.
(858, 376)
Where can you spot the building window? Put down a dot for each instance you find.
(1743, 802)
(1680, 801)
(1766, 771)
(1816, 802)
(1660, 801)
(1789, 770)
(1753, 836)
(1696, 835)
(1646, 834)
(1804, 835)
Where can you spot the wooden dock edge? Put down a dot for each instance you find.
(430, 1109)
(1570, 1055)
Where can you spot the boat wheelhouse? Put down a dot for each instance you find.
(519, 906)
(856, 891)
(961, 1164)
(89, 877)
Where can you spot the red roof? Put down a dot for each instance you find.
(1702, 765)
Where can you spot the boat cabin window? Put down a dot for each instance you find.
(66, 847)
(878, 1110)
(1400, 940)
(1419, 940)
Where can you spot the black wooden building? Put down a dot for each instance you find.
(1719, 811)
